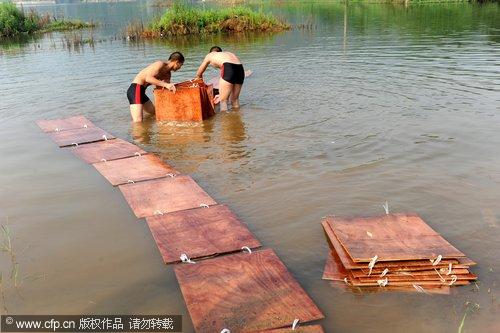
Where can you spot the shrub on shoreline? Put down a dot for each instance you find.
(184, 20)
(14, 21)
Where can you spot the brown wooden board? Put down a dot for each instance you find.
(134, 169)
(358, 282)
(64, 124)
(350, 264)
(106, 150)
(429, 289)
(418, 278)
(165, 195)
(298, 329)
(79, 136)
(334, 270)
(199, 232)
(391, 237)
(243, 292)
(410, 268)
(359, 274)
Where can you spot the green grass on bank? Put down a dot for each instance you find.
(14, 21)
(183, 20)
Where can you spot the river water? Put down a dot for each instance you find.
(367, 104)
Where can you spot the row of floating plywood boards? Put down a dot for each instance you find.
(393, 252)
(226, 287)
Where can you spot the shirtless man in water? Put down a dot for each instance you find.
(158, 73)
(232, 75)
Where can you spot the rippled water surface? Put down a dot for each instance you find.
(373, 103)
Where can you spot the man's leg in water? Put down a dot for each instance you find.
(225, 89)
(149, 108)
(235, 96)
(136, 112)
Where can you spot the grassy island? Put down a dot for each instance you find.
(183, 20)
(14, 21)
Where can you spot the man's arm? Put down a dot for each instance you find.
(151, 77)
(203, 67)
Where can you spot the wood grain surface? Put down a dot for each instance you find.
(243, 293)
(165, 195)
(79, 136)
(350, 264)
(134, 169)
(298, 329)
(106, 150)
(391, 237)
(199, 232)
(64, 124)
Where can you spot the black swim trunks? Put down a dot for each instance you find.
(136, 94)
(232, 73)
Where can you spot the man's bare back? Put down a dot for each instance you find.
(232, 75)
(159, 74)
(158, 70)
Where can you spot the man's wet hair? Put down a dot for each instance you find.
(216, 49)
(176, 56)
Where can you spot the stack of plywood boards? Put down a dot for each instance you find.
(233, 285)
(393, 252)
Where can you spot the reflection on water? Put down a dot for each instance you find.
(374, 103)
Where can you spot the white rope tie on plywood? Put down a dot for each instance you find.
(372, 264)
(130, 181)
(246, 248)
(382, 282)
(454, 279)
(170, 175)
(158, 212)
(419, 289)
(137, 153)
(440, 276)
(225, 331)
(74, 144)
(295, 323)
(437, 260)
(185, 258)
(203, 205)
(386, 208)
(56, 129)
(103, 160)
(449, 269)
(105, 137)
(384, 272)
(85, 126)
(346, 281)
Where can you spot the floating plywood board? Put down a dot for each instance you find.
(134, 169)
(244, 293)
(200, 232)
(358, 282)
(64, 124)
(348, 263)
(80, 136)
(360, 274)
(298, 329)
(334, 270)
(429, 289)
(106, 150)
(165, 195)
(447, 278)
(409, 268)
(391, 237)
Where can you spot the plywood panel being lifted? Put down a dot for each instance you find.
(199, 232)
(243, 293)
(106, 150)
(391, 237)
(79, 136)
(165, 195)
(134, 169)
(64, 124)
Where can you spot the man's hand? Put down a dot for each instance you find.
(169, 86)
